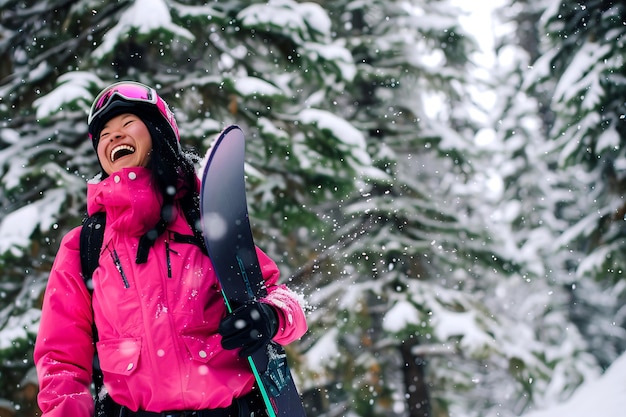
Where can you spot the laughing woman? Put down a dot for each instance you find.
(165, 342)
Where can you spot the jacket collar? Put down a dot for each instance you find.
(128, 197)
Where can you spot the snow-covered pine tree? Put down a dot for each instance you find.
(525, 212)
(582, 66)
(38, 165)
(415, 330)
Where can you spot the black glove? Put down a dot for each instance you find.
(249, 327)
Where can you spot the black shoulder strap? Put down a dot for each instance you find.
(147, 241)
(91, 238)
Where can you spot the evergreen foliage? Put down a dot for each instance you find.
(446, 274)
(582, 66)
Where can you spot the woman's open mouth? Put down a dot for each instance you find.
(121, 151)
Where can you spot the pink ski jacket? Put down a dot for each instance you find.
(157, 322)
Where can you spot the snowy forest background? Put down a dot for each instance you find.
(454, 217)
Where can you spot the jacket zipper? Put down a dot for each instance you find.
(118, 265)
(167, 257)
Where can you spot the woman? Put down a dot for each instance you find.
(165, 341)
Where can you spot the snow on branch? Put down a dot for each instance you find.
(18, 226)
(144, 16)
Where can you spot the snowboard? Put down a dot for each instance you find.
(228, 237)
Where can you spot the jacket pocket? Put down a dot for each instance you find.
(201, 345)
(119, 356)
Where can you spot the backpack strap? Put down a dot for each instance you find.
(91, 239)
(147, 241)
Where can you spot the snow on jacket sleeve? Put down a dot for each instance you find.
(64, 348)
(291, 319)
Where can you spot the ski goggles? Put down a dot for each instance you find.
(127, 90)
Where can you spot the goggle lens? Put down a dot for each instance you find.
(127, 90)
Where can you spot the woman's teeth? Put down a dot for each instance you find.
(120, 151)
